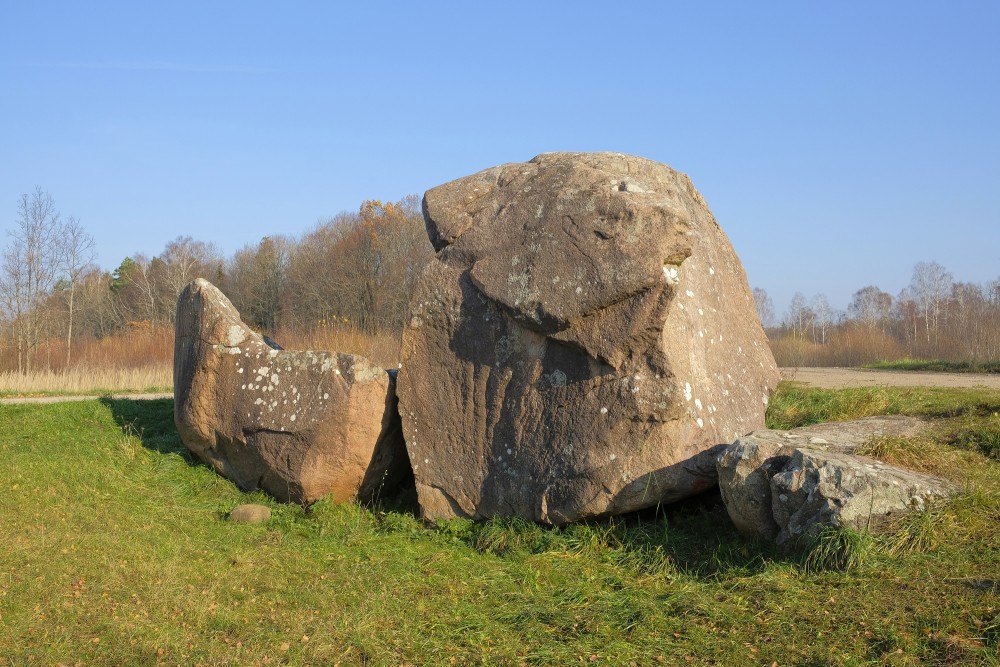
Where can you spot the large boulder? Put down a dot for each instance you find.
(299, 425)
(581, 345)
(786, 485)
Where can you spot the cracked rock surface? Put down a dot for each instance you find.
(582, 345)
(785, 485)
(298, 424)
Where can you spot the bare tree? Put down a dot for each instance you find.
(77, 256)
(799, 316)
(930, 286)
(138, 289)
(871, 306)
(30, 264)
(183, 260)
(822, 316)
(765, 307)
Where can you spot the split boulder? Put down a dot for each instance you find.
(298, 424)
(786, 485)
(583, 343)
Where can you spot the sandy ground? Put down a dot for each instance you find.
(58, 399)
(838, 378)
(825, 378)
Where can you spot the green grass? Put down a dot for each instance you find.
(116, 551)
(937, 365)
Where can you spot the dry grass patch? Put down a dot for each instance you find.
(381, 348)
(83, 380)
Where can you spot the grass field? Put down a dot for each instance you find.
(116, 551)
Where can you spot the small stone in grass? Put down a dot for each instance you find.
(250, 513)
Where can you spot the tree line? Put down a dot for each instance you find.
(356, 270)
(934, 317)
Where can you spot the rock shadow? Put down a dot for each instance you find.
(152, 421)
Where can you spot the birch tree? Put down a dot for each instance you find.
(30, 265)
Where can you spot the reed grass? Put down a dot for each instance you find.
(380, 347)
(156, 377)
(141, 359)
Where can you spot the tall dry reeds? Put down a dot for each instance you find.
(138, 359)
(141, 358)
(381, 347)
(846, 346)
(88, 380)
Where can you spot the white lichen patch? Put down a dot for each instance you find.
(689, 293)
(700, 423)
(687, 391)
(697, 403)
(235, 335)
(671, 275)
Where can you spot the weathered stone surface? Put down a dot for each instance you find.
(818, 488)
(250, 513)
(846, 435)
(745, 471)
(581, 345)
(781, 484)
(300, 425)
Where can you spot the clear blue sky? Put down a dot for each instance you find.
(837, 143)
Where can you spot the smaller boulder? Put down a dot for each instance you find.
(298, 424)
(784, 485)
(250, 513)
(818, 488)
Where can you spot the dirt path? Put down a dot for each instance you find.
(824, 378)
(838, 378)
(17, 400)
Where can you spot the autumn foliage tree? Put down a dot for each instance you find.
(359, 269)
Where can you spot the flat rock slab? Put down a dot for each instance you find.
(819, 488)
(583, 342)
(298, 424)
(847, 435)
(784, 485)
